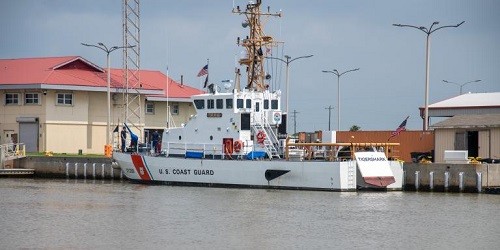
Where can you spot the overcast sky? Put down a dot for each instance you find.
(341, 35)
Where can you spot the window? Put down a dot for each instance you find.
(239, 103)
(11, 99)
(175, 109)
(150, 108)
(274, 104)
(200, 104)
(210, 104)
(257, 107)
(266, 104)
(219, 103)
(229, 103)
(31, 98)
(248, 103)
(64, 99)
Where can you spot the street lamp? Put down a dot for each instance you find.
(287, 62)
(428, 31)
(104, 48)
(461, 85)
(335, 72)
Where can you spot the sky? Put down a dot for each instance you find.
(342, 35)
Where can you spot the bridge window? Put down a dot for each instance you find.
(274, 104)
(200, 104)
(219, 103)
(210, 104)
(239, 103)
(229, 103)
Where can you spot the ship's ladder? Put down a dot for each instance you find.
(270, 140)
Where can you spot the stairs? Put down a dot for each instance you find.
(270, 141)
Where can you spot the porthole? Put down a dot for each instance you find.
(211, 138)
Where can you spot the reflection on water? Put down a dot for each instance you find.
(72, 214)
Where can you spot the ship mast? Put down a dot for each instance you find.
(256, 44)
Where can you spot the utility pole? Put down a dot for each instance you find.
(329, 116)
(295, 121)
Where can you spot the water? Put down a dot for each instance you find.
(78, 214)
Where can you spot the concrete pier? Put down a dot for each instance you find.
(71, 167)
(442, 177)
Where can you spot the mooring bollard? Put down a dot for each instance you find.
(67, 170)
(461, 181)
(111, 174)
(479, 182)
(76, 170)
(446, 180)
(431, 180)
(417, 180)
(102, 171)
(85, 170)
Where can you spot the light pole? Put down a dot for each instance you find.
(287, 62)
(336, 72)
(461, 85)
(104, 48)
(428, 31)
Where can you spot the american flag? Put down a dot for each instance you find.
(402, 127)
(203, 71)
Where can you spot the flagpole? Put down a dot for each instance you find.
(208, 73)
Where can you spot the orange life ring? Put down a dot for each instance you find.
(238, 145)
(261, 136)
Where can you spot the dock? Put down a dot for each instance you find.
(17, 172)
(10, 152)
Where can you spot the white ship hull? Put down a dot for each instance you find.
(275, 174)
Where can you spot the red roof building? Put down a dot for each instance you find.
(63, 100)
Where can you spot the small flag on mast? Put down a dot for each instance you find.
(203, 71)
(402, 127)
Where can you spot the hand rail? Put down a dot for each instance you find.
(11, 151)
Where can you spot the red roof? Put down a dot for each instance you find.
(77, 71)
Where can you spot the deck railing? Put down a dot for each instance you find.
(10, 151)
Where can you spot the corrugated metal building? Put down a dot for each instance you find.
(474, 125)
(479, 134)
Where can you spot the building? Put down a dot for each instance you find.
(59, 104)
(474, 125)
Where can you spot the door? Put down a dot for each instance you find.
(484, 144)
(28, 134)
(473, 143)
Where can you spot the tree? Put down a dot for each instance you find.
(355, 128)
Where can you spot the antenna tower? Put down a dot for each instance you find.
(131, 64)
(256, 44)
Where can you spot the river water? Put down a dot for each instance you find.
(78, 214)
